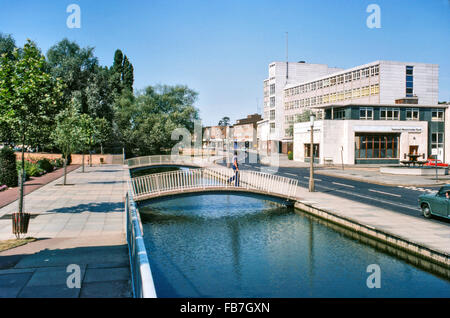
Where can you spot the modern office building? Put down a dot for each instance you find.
(357, 133)
(376, 83)
(282, 74)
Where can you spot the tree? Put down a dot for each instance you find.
(29, 99)
(122, 74)
(144, 124)
(75, 66)
(7, 45)
(66, 134)
(127, 74)
(225, 121)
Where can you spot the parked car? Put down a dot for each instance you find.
(436, 203)
(432, 162)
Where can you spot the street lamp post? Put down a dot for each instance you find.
(311, 149)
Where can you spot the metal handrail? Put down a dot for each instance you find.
(206, 178)
(141, 274)
(170, 159)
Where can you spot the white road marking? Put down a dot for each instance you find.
(373, 199)
(392, 194)
(315, 179)
(409, 207)
(342, 184)
(290, 174)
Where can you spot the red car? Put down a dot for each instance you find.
(432, 162)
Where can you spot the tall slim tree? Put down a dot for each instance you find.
(127, 75)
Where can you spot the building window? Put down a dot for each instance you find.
(272, 114)
(272, 102)
(374, 89)
(437, 115)
(366, 113)
(390, 113)
(272, 89)
(374, 70)
(412, 114)
(437, 142)
(333, 81)
(348, 77)
(374, 146)
(338, 113)
(356, 75)
(356, 93)
(272, 127)
(308, 150)
(340, 79)
(365, 73)
(409, 81)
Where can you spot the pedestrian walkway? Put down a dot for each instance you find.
(81, 224)
(11, 195)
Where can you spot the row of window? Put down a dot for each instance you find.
(334, 80)
(333, 97)
(366, 113)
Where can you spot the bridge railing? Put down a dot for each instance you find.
(171, 159)
(141, 274)
(204, 178)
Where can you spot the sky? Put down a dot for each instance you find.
(222, 49)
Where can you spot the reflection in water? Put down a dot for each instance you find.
(221, 245)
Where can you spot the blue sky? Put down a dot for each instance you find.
(222, 48)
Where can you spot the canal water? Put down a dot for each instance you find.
(225, 245)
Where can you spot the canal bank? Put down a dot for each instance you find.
(420, 237)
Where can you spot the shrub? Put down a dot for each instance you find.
(45, 165)
(290, 155)
(8, 171)
(57, 163)
(31, 169)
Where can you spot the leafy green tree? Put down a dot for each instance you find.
(29, 99)
(66, 134)
(7, 45)
(127, 75)
(144, 124)
(75, 66)
(99, 95)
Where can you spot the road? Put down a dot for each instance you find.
(393, 198)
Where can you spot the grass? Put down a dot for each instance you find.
(9, 244)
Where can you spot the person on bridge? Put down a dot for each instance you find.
(235, 166)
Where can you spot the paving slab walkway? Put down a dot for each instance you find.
(11, 195)
(81, 224)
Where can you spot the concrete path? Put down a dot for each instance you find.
(81, 224)
(11, 195)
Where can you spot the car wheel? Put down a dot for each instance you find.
(426, 211)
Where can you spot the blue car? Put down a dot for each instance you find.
(436, 203)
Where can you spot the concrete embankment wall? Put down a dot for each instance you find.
(413, 252)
